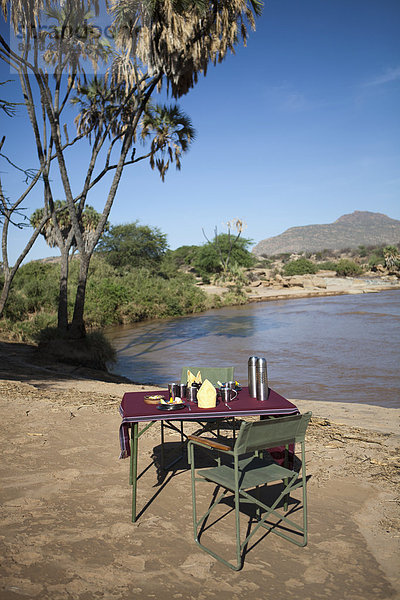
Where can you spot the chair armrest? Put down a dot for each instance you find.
(210, 443)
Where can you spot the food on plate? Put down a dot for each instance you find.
(171, 401)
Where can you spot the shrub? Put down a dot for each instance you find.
(375, 259)
(347, 268)
(328, 265)
(206, 259)
(38, 285)
(104, 298)
(301, 266)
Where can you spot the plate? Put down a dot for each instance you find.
(170, 406)
(153, 398)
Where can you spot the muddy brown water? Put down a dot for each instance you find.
(341, 348)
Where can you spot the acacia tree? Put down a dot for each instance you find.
(154, 42)
(133, 245)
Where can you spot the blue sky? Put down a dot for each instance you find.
(300, 127)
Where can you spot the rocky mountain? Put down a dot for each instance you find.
(349, 231)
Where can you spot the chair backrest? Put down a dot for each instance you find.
(270, 433)
(213, 374)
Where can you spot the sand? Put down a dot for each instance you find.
(66, 531)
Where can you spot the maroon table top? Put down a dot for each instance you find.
(134, 409)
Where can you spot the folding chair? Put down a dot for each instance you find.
(214, 376)
(248, 466)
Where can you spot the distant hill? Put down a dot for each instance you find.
(349, 231)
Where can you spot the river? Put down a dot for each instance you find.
(339, 348)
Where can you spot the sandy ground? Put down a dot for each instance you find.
(66, 531)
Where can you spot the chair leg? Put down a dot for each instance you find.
(304, 480)
(237, 523)
(199, 522)
(285, 481)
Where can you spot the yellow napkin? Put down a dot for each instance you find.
(207, 395)
(191, 379)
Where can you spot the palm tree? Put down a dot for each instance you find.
(58, 232)
(171, 131)
(180, 38)
(154, 41)
(392, 259)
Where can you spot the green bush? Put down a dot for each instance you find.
(328, 265)
(139, 294)
(347, 268)
(104, 298)
(376, 259)
(301, 266)
(206, 260)
(16, 308)
(38, 285)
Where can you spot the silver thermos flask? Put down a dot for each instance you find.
(251, 366)
(261, 379)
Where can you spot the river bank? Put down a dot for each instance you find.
(324, 283)
(65, 498)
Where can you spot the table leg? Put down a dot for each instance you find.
(162, 445)
(134, 459)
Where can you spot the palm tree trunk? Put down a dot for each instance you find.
(77, 328)
(62, 323)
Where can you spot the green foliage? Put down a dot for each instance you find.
(173, 260)
(327, 265)
(376, 258)
(392, 257)
(362, 251)
(157, 297)
(347, 268)
(133, 245)
(301, 266)
(113, 297)
(35, 288)
(207, 260)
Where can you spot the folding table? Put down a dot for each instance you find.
(134, 410)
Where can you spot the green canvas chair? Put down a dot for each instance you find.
(249, 467)
(213, 374)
